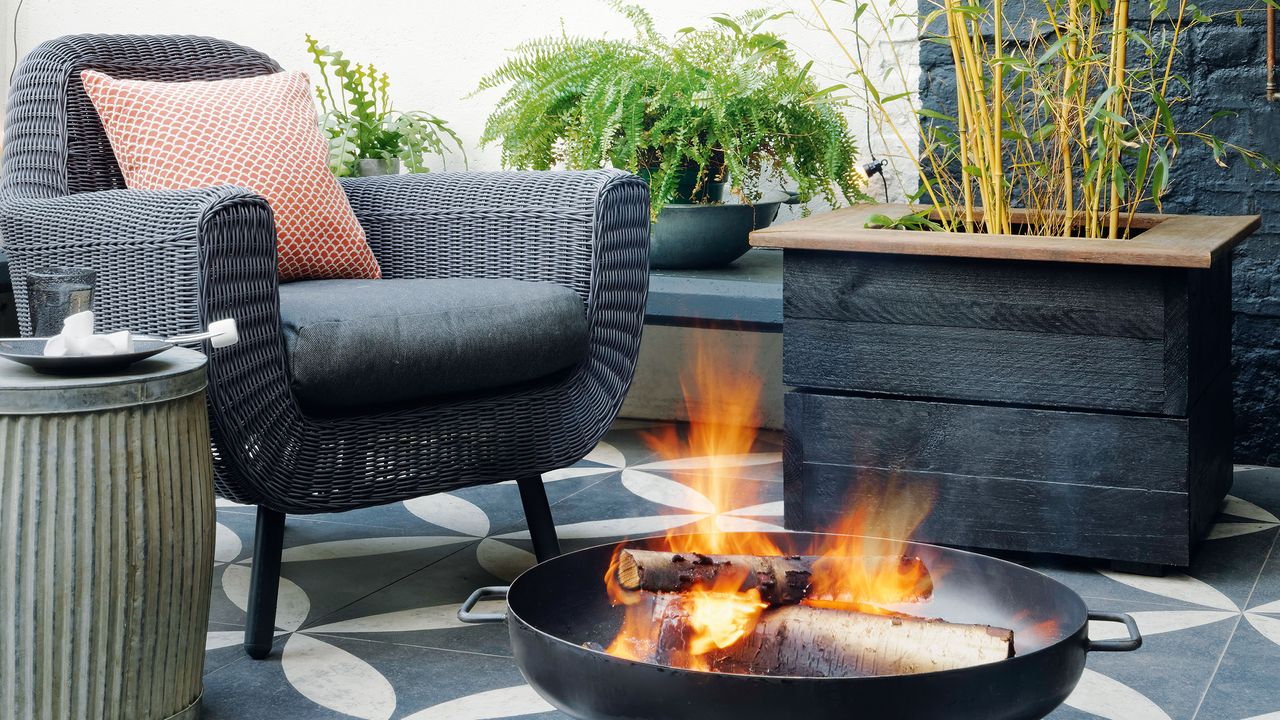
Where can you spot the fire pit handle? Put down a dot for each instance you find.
(1133, 642)
(466, 613)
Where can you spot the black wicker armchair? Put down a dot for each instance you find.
(170, 261)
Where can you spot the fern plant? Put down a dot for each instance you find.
(725, 102)
(361, 124)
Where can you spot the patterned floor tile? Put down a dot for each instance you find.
(368, 625)
(1247, 684)
(315, 554)
(421, 610)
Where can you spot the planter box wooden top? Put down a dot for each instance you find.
(1183, 241)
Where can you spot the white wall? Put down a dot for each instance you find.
(434, 50)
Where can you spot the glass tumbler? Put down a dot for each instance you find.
(55, 293)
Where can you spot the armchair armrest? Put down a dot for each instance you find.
(588, 231)
(145, 246)
(168, 262)
(540, 226)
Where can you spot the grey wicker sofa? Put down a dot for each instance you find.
(170, 261)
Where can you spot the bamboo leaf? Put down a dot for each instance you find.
(1044, 132)
(1054, 50)
(934, 114)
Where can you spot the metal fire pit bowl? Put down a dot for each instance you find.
(555, 607)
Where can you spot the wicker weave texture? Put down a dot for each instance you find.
(169, 261)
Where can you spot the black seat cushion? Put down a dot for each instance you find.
(363, 345)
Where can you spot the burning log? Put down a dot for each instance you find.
(798, 640)
(781, 580)
(819, 642)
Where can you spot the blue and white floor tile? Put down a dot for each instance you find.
(367, 626)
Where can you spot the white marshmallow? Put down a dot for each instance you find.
(78, 325)
(230, 335)
(91, 345)
(121, 342)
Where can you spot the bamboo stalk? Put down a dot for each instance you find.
(1068, 170)
(997, 113)
(1120, 43)
(963, 125)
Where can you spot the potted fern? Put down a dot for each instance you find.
(1031, 335)
(366, 135)
(705, 117)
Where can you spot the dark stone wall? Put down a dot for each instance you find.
(1225, 66)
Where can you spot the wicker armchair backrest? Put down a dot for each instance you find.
(54, 141)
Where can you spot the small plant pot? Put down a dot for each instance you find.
(370, 167)
(701, 236)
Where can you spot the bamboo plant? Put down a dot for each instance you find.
(1071, 114)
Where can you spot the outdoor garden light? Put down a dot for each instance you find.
(871, 169)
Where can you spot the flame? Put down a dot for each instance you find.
(860, 566)
(719, 616)
(857, 572)
(722, 401)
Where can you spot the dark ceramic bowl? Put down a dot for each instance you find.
(709, 236)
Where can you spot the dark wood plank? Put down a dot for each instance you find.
(959, 292)
(1211, 438)
(1009, 514)
(1176, 343)
(793, 455)
(1084, 371)
(1098, 449)
(1208, 325)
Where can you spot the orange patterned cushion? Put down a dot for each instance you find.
(259, 133)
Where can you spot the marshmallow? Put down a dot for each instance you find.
(92, 345)
(78, 325)
(77, 338)
(228, 333)
(56, 346)
(122, 341)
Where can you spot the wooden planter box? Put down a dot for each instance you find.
(1059, 395)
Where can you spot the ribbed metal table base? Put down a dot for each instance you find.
(106, 554)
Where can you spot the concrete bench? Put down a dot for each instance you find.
(737, 309)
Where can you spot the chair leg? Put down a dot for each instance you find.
(537, 513)
(264, 583)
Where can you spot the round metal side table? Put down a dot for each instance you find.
(106, 541)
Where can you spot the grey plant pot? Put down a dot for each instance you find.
(369, 167)
(691, 237)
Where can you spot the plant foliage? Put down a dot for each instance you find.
(1071, 113)
(730, 99)
(361, 124)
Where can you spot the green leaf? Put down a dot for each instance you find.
(1053, 50)
(929, 113)
(1043, 132)
(727, 22)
